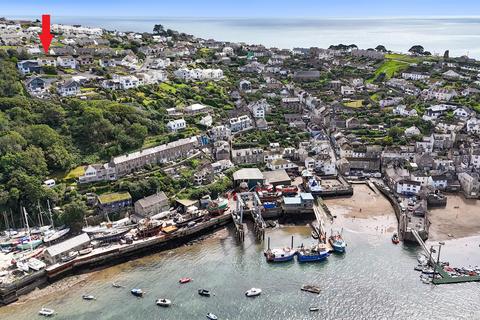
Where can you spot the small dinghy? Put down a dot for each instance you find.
(314, 309)
(137, 292)
(211, 316)
(163, 302)
(88, 297)
(253, 292)
(116, 285)
(46, 312)
(185, 280)
(204, 292)
(395, 239)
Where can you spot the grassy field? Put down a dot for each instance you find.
(403, 57)
(75, 173)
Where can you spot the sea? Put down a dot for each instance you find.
(374, 279)
(460, 35)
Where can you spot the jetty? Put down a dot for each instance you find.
(438, 269)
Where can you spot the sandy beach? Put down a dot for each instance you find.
(459, 219)
(365, 211)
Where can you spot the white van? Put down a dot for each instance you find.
(49, 183)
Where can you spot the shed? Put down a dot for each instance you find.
(251, 176)
(277, 177)
(54, 253)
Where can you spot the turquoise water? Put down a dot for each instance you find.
(373, 280)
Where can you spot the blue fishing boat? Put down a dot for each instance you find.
(315, 253)
(337, 242)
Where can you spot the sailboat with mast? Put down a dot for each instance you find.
(53, 234)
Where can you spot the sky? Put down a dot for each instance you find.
(241, 8)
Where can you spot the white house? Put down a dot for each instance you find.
(67, 62)
(473, 125)
(347, 91)
(402, 110)
(176, 125)
(412, 131)
(414, 76)
(259, 108)
(278, 164)
(408, 187)
(128, 82)
(240, 123)
(220, 132)
(461, 113)
(69, 88)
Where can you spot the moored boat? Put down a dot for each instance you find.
(56, 235)
(88, 297)
(137, 292)
(36, 264)
(204, 292)
(70, 256)
(315, 253)
(310, 288)
(253, 292)
(395, 238)
(27, 245)
(280, 254)
(85, 251)
(337, 242)
(185, 280)
(313, 309)
(46, 312)
(211, 316)
(163, 302)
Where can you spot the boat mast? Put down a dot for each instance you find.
(50, 214)
(28, 229)
(40, 218)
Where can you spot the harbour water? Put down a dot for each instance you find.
(373, 280)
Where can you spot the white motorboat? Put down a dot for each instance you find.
(46, 312)
(36, 264)
(21, 265)
(253, 292)
(88, 297)
(211, 316)
(85, 251)
(163, 302)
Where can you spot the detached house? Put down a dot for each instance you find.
(29, 66)
(69, 88)
(176, 125)
(67, 62)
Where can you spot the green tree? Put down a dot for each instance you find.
(73, 215)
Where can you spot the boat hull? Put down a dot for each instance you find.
(285, 258)
(312, 257)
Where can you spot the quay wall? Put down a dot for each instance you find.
(10, 293)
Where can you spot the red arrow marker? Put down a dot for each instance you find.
(46, 37)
